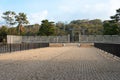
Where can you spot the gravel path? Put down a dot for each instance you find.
(62, 63)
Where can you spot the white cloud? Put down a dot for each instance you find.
(69, 6)
(37, 17)
(93, 9)
(113, 5)
(0, 16)
(82, 6)
(65, 8)
(2, 22)
(102, 9)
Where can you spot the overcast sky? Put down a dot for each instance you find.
(61, 10)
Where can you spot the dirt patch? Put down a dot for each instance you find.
(87, 45)
(33, 54)
(56, 45)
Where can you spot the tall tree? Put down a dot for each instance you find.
(21, 19)
(12, 31)
(116, 17)
(9, 17)
(47, 28)
(32, 30)
(61, 28)
(96, 26)
(3, 33)
(91, 27)
(110, 28)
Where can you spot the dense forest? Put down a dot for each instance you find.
(48, 28)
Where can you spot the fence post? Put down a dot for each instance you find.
(68, 38)
(27, 45)
(10, 48)
(20, 46)
(79, 38)
(95, 39)
(103, 39)
(87, 38)
(57, 39)
(10, 44)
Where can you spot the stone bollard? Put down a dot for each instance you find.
(63, 44)
(79, 45)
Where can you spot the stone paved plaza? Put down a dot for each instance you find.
(62, 63)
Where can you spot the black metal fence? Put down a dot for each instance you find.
(4, 48)
(109, 47)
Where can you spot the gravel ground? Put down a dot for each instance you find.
(62, 63)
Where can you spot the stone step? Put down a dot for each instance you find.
(71, 44)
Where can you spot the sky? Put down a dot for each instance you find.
(61, 10)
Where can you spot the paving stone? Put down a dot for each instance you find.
(65, 63)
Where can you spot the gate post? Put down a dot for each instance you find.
(57, 39)
(79, 38)
(68, 38)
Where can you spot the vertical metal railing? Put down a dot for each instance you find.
(4, 48)
(109, 47)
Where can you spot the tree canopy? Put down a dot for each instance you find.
(9, 17)
(112, 27)
(116, 17)
(3, 33)
(47, 28)
(21, 19)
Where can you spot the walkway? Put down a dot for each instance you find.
(65, 63)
